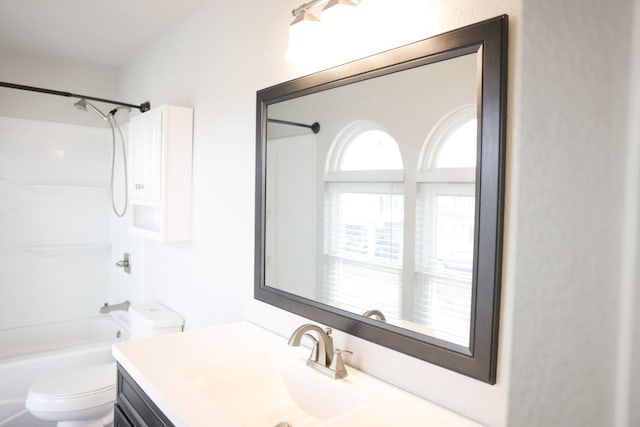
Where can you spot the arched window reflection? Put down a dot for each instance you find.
(364, 220)
(372, 149)
(445, 218)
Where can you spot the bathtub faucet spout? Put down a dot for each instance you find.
(106, 308)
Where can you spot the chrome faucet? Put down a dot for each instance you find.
(106, 308)
(323, 357)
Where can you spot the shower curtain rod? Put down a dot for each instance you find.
(145, 106)
(315, 127)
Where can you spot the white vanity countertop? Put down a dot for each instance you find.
(242, 375)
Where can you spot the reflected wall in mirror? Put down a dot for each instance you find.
(386, 221)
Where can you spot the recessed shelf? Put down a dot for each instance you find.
(54, 186)
(56, 251)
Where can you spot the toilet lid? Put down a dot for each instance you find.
(87, 386)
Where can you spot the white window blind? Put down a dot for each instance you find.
(364, 225)
(364, 221)
(445, 218)
(366, 228)
(444, 259)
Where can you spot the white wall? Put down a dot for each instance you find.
(628, 366)
(567, 142)
(569, 160)
(630, 393)
(211, 64)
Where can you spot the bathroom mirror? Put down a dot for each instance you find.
(379, 197)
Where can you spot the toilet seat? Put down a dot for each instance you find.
(83, 389)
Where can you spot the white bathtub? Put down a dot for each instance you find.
(33, 352)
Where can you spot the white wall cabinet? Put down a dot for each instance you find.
(145, 154)
(160, 164)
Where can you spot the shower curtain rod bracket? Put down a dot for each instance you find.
(145, 106)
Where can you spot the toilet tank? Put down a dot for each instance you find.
(152, 319)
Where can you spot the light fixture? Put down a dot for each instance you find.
(339, 16)
(304, 23)
(303, 35)
(305, 32)
(302, 14)
(335, 6)
(305, 7)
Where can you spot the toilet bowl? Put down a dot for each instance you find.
(84, 396)
(80, 397)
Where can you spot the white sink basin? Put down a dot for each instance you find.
(243, 376)
(278, 388)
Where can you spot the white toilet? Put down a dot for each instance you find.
(84, 397)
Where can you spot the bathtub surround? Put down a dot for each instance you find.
(54, 221)
(59, 239)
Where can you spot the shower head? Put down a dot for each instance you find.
(85, 105)
(81, 105)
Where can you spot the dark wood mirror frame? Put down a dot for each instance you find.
(489, 39)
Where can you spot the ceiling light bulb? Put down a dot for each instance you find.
(333, 3)
(304, 18)
(304, 34)
(304, 28)
(336, 7)
(339, 16)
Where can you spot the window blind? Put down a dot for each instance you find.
(444, 259)
(363, 246)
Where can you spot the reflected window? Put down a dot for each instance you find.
(458, 147)
(364, 220)
(372, 149)
(445, 217)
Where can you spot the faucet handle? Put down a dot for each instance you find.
(328, 331)
(337, 364)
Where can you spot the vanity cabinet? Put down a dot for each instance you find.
(133, 407)
(160, 165)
